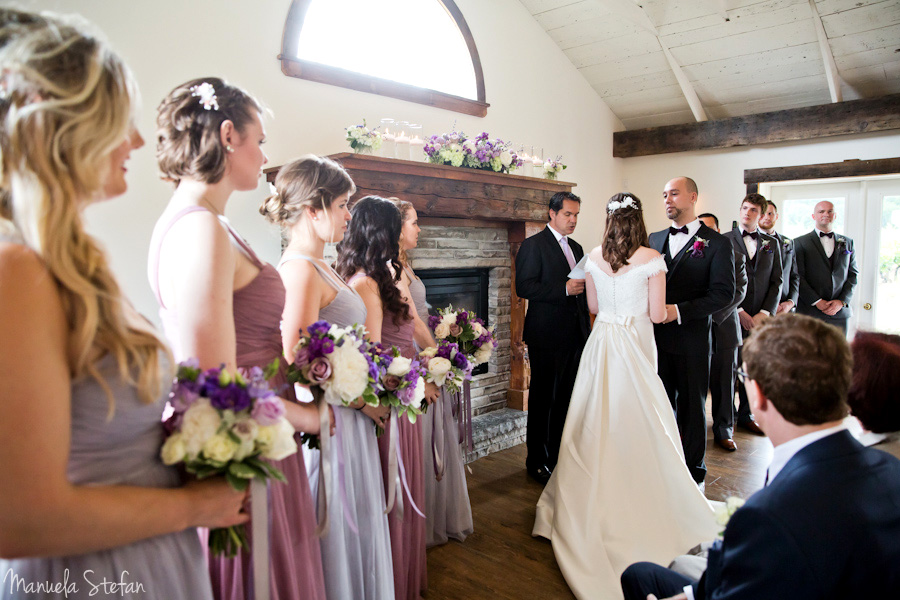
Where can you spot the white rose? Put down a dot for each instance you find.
(477, 329)
(220, 448)
(449, 318)
(201, 421)
(265, 437)
(283, 444)
(174, 450)
(438, 368)
(441, 331)
(483, 354)
(399, 366)
(429, 352)
(470, 146)
(349, 375)
(505, 158)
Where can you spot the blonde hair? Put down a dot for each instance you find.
(66, 105)
(404, 207)
(307, 182)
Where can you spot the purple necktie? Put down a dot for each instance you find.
(564, 242)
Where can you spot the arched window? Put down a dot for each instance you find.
(416, 50)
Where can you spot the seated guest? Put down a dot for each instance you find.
(873, 395)
(827, 525)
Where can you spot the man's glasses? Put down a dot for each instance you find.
(742, 376)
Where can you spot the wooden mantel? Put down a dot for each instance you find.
(465, 197)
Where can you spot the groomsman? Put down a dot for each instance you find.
(764, 278)
(700, 282)
(556, 328)
(727, 337)
(790, 286)
(826, 263)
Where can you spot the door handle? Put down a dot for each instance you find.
(867, 306)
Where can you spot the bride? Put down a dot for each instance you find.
(621, 491)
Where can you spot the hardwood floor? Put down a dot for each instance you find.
(502, 561)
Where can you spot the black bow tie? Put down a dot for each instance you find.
(753, 234)
(675, 230)
(823, 234)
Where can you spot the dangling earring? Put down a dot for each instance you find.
(228, 148)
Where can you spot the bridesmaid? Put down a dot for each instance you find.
(447, 507)
(83, 377)
(311, 200)
(222, 305)
(368, 260)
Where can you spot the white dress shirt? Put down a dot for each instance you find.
(750, 242)
(677, 242)
(827, 242)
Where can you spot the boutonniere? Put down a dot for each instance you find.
(765, 247)
(786, 244)
(698, 247)
(842, 244)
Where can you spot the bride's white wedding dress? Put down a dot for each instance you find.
(620, 492)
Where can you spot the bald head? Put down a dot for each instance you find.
(824, 216)
(680, 198)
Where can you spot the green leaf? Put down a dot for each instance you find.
(236, 482)
(233, 437)
(272, 368)
(241, 470)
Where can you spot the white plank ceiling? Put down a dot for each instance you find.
(737, 57)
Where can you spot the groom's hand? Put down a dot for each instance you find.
(671, 313)
(574, 287)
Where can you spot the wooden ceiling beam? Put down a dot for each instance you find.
(831, 72)
(807, 123)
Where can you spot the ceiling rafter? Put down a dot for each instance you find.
(831, 72)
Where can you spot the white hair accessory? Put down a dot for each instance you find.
(207, 94)
(617, 204)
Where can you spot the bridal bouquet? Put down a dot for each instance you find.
(475, 153)
(224, 424)
(362, 139)
(552, 167)
(399, 382)
(446, 366)
(724, 511)
(464, 328)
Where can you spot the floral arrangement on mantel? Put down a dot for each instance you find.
(362, 139)
(481, 152)
(552, 167)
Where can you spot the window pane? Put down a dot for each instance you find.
(410, 41)
(887, 285)
(795, 216)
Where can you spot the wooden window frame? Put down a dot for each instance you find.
(312, 71)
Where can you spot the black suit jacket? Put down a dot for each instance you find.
(726, 325)
(553, 319)
(822, 278)
(790, 284)
(827, 527)
(699, 286)
(764, 272)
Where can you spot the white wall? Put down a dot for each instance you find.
(548, 104)
(720, 173)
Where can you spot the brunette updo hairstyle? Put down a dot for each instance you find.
(188, 144)
(625, 230)
(371, 242)
(874, 396)
(404, 206)
(307, 182)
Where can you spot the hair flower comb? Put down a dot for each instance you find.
(207, 94)
(617, 204)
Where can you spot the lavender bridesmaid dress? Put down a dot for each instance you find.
(447, 506)
(356, 551)
(295, 558)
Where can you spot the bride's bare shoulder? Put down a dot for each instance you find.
(643, 255)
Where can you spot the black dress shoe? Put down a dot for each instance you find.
(540, 474)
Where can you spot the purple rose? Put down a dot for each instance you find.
(319, 370)
(232, 397)
(302, 358)
(455, 330)
(267, 411)
(391, 383)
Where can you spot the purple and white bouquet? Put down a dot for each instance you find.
(481, 152)
(397, 382)
(467, 331)
(334, 360)
(446, 365)
(552, 167)
(362, 139)
(224, 424)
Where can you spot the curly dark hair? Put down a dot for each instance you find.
(625, 231)
(187, 135)
(371, 242)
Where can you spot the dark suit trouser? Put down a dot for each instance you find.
(743, 414)
(553, 372)
(686, 379)
(644, 578)
(721, 391)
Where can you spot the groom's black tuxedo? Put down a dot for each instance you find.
(555, 330)
(699, 284)
(826, 527)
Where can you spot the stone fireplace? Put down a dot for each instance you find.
(472, 219)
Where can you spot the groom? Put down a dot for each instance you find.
(700, 282)
(556, 328)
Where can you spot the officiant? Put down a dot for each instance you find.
(556, 328)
